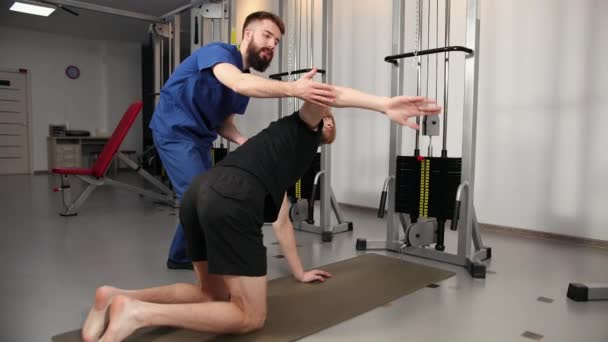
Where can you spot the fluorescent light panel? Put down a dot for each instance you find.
(31, 7)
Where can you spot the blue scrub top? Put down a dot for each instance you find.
(193, 102)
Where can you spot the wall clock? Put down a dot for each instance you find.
(72, 72)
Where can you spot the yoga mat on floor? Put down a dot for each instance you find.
(296, 310)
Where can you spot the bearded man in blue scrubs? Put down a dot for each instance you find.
(201, 97)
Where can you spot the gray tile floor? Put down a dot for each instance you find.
(52, 265)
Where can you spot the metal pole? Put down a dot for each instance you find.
(213, 30)
(226, 31)
(230, 23)
(299, 34)
(162, 61)
(426, 94)
(312, 31)
(392, 231)
(436, 46)
(299, 55)
(307, 35)
(170, 48)
(221, 25)
(326, 52)
(177, 59)
(446, 77)
(295, 55)
(158, 66)
(280, 57)
(418, 71)
(428, 46)
(469, 130)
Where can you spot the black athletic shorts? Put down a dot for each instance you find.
(222, 213)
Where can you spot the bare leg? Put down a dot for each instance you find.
(211, 287)
(245, 312)
(210, 283)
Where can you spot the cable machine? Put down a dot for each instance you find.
(316, 183)
(423, 192)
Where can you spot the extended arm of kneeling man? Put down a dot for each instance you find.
(283, 229)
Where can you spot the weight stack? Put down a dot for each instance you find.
(426, 186)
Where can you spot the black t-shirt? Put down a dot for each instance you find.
(278, 156)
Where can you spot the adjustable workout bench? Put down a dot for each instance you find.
(95, 176)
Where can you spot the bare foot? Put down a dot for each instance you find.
(122, 319)
(96, 320)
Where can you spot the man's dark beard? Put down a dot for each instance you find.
(255, 60)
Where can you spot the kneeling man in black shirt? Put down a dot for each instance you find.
(223, 212)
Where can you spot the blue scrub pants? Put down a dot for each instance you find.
(183, 160)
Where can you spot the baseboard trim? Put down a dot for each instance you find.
(569, 239)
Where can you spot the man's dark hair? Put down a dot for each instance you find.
(262, 15)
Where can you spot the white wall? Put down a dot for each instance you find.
(260, 112)
(110, 80)
(360, 153)
(541, 145)
(540, 160)
(121, 71)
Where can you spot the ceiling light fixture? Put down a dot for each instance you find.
(32, 7)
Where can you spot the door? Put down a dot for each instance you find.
(14, 130)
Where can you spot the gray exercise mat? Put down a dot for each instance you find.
(296, 310)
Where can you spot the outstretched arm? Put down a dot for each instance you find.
(398, 109)
(349, 97)
(283, 230)
(254, 86)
